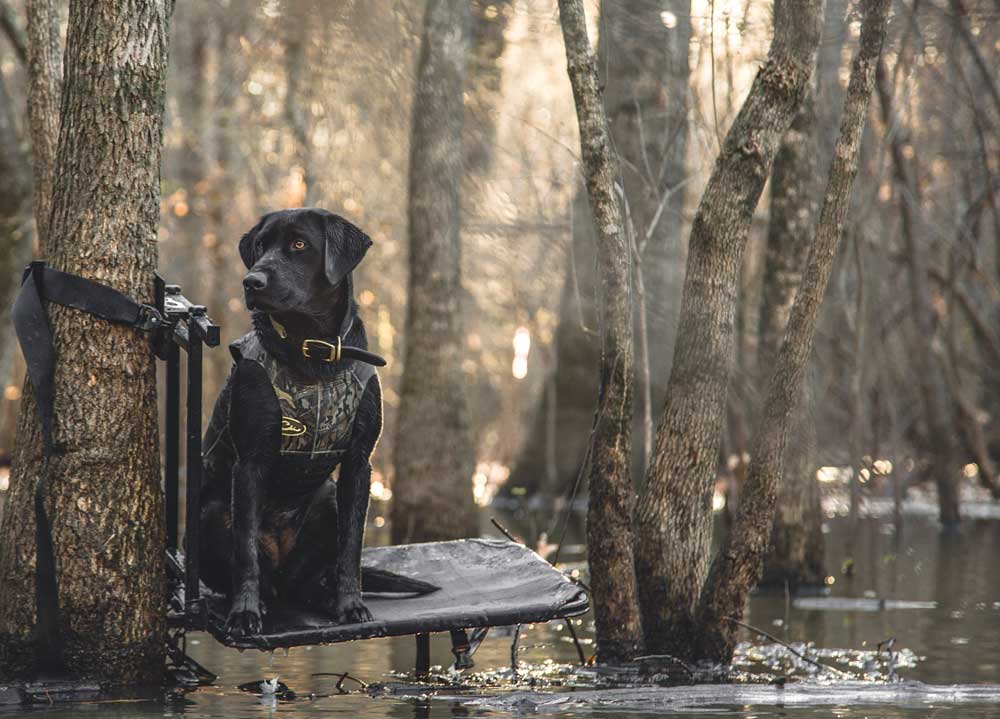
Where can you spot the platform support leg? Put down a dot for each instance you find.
(173, 443)
(192, 598)
(462, 649)
(423, 667)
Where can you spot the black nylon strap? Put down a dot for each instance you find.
(31, 323)
(34, 334)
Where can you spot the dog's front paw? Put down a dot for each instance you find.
(349, 609)
(244, 616)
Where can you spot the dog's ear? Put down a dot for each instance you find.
(344, 249)
(248, 244)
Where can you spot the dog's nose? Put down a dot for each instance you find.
(255, 281)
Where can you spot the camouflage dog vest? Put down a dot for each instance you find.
(316, 416)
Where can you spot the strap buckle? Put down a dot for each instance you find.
(332, 351)
(150, 319)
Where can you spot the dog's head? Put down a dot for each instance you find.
(299, 257)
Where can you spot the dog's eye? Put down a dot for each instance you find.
(298, 245)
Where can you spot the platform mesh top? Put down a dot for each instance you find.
(483, 582)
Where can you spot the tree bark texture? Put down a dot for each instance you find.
(104, 500)
(644, 67)
(674, 513)
(795, 555)
(939, 416)
(739, 563)
(434, 453)
(609, 512)
(44, 88)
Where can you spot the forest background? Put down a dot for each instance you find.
(307, 103)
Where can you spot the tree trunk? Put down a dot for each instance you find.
(939, 417)
(609, 513)
(740, 561)
(298, 22)
(44, 86)
(11, 25)
(434, 451)
(190, 162)
(674, 514)
(829, 91)
(644, 65)
(104, 500)
(556, 445)
(15, 234)
(795, 555)
(227, 164)
(484, 94)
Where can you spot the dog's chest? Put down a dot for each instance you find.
(316, 418)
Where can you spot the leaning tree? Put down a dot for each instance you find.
(740, 561)
(674, 512)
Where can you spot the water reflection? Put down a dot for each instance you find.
(944, 617)
(936, 593)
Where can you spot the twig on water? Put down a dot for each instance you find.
(343, 676)
(888, 644)
(790, 648)
(679, 662)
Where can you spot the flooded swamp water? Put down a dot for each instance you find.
(936, 594)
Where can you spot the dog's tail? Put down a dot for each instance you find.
(382, 582)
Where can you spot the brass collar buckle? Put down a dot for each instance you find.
(311, 345)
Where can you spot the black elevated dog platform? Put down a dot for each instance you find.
(483, 582)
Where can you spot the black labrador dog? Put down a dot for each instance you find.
(303, 399)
